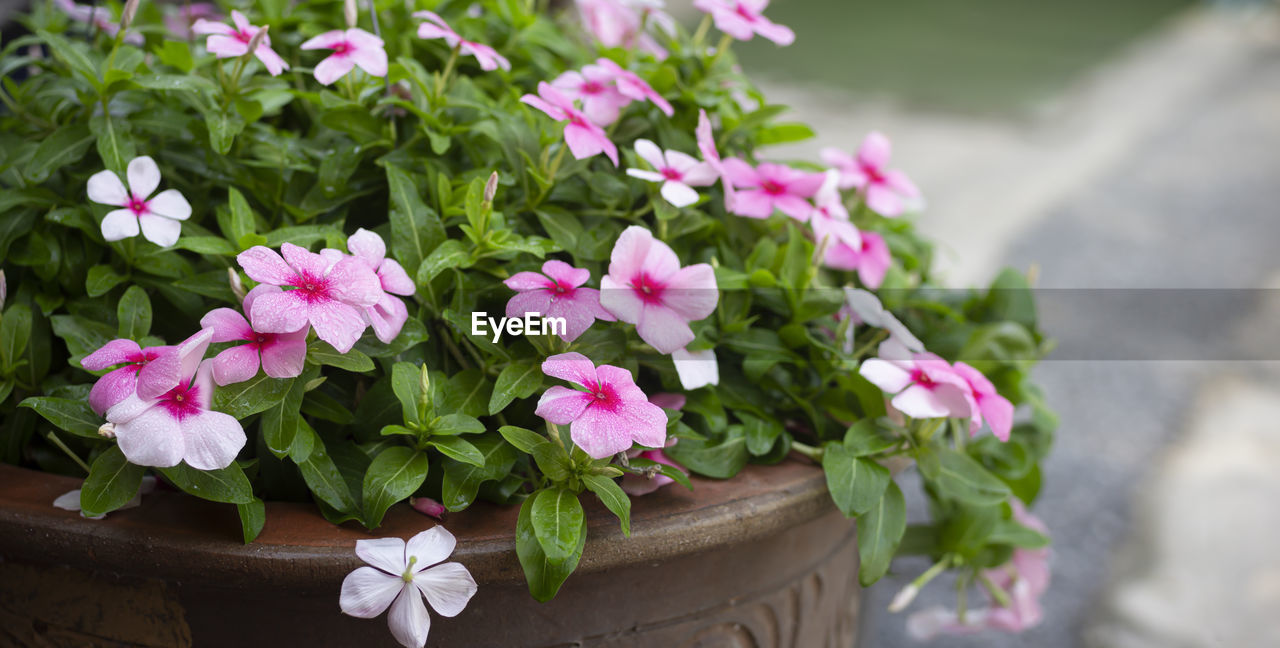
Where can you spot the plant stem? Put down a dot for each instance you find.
(701, 33)
(808, 450)
(53, 438)
(998, 593)
(720, 50)
(443, 80)
(875, 339)
(551, 175)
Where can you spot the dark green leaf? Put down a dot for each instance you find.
(228, 485)
(856, 483)
(73, 416)
(517, 380)
(254, 395)
(321, 352)
(111, 483)
(458, 449)
(613, 497)
(879, 533)
(252, 517)
(557, 521)
(544, 576)
(134, 313)
(393, 476)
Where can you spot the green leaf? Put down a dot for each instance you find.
(518, 380)
(957, 476)
(206, 245)
(614, 498)
(279, 425)
(866, 438)
(454, 424)
(406, 383)
(74, 54)
(324, 479)
(134, 313)
(1011, 533)
(552, 459)
(183, 82)
(544, 576)
(466, 393)
(252, 517)
(101, 279)
(114, 148)
(176, 54)
(239, 220)
(450, 254)
(416, 230)
(458, 449)
(321, 352)
(719, 459)
(15, 332)
(228, 485)
(66, 145)
(677, 475)
(111, 483)
(856, 483)
(394, 475)
(880, 531)
(784, 134)
(73, 416)
(557, 518)
(254, 395)
(462, 480)
(760, 434)
(1009, 298)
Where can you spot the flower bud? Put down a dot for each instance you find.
(428, 507)
(353, 14)
(237, 287)
(130, 10)
(424, 385)
(491, 188)
(107, 430)
(257, 40)
(904, 598)
(4, 289)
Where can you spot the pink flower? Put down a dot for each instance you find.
(771, 186)
(400, 576)
(884, 189)
(620, 23)
(707, 145)
(282, 354)
(993, 408)
(329, 298)
(226, 41)
(99, 16)
(872, 260)
(594, 87)
(558, 294)
(743, 19)
(178, 425)
(1025, 578)
(350, 48)
(137, 367)
(830, 220)
(584, 137)
(635, 484)
(609, 416)
(488, 58)
(647, 287)
(866, 308)
(390, 313)
(633, 87)
(159, 216)
(180, 22)
(678, 172)
(925, 386)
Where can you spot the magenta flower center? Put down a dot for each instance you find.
(181, 401)
(649, 290)
(313, 288)
(243, 36)
(773, 187)
(342, 49)
(744, 12)
(604, 397)
(872, 172)
(592, 88)
(671, 174)
(559, 289)
(137, 205)
(919, 377)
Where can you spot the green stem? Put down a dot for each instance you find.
(443, 80)
(701, 33)
(551, 175)
(808, 450)
(720, 50)
(53, 438)
(998, 593)
(875, 340)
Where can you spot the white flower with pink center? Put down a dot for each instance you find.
(678, 172)
(178, 425)
(226, 41)
(159, 217)
(350, 48)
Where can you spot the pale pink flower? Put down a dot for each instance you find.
(180, 22)
(135, 366)
(993, 408)
(696, 368)
(595, 88)
(635, 484)
(620, 23)
(743, 19)
(435, 27)
(70, 500)
(281, 355)
(99, 16)
(584, 137)
(924, 385)
(559, 293)
(387, 317)
(647, 287)
(160, 216)
(608, 416)
(178, 425)
(633, 87)
(771, 186)
(830, 220)
(1025, 578)
(329, 298)
(428, 507)
(885, 190)
(350, 48)
(866, 308)
(871, 260)
(400, 575)
(226, 41)
(678, 172)
(707, 145)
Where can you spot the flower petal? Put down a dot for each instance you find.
(153, 438)
(888, 376)
(170, 203)
(679, 193)
(408, 620)
(430, 547)
(696, 368)
(112, 388)
(212, 439)
(448, 588)
(573, 367)
(663, 328)
(387, 317)
(394, 279)
(336, 323)
(265, 265)
(649, 152)
(561, 405)
(282, 312)
(112, 353)
(386, 554)
(119, 224)
(160, 230)
(333, 68)
(285, 356)
(354, 283)
(144, 176)
(234, 365)
(367, 592)
(368, 245)
(105, 188)
(636, 251)
(692, 292)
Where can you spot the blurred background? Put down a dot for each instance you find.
(1105, 145)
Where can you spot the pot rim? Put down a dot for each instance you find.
(176, 537)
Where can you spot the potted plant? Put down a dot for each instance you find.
(343, 269)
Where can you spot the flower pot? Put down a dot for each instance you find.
(763, 559)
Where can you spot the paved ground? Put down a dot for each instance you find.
(1158, 172)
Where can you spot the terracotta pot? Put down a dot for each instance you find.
(760, 560)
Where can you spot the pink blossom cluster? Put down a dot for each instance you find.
(589, 100)
(744, 19)
(158, 398)
(628, 24)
